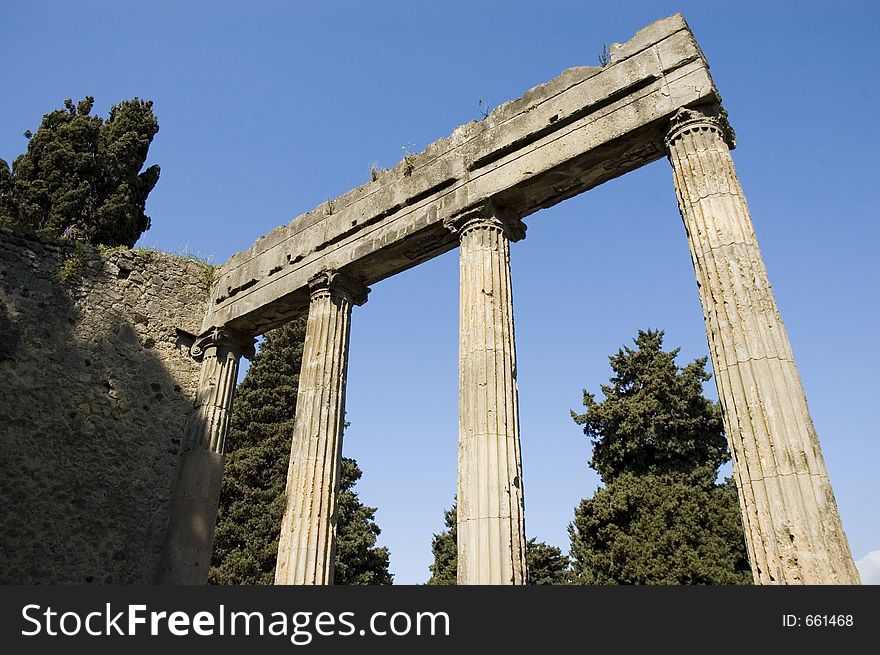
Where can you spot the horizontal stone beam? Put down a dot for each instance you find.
(561, 138)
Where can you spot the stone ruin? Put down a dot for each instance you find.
(653, 98)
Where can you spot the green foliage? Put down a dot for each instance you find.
(545, 564)
(73, 266)
(444, 570)
(183, 251)
(80, 177)
(659, 529)
(109, 250)
(8, 209)
(252, 499)
(358, 560)
(146, 255)
(375, 171)
(408, 159)
(654, 418)
(208, 276)
(657, 444)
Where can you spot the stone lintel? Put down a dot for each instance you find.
(589, 125)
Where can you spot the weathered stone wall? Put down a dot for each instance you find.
(96, 385)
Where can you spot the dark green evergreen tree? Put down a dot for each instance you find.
(444, 570)
(81, 175)
(252, 498)
(657, 444)
(545, 564)
(358, 560)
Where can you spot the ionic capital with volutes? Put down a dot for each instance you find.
(223, 337)
(486, 216)
(334, 284)
(705, 118)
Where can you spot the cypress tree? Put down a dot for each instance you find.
(252, 498)
(657, 444)
(80, 177)
(444, 545)
(545, 564)
(358, 560)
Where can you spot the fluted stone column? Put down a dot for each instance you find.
(307, 544)
(793, 529)
(190, 537)
(490, 524)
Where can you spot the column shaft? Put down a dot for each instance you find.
(490, 524)
(193, 514)
(306, 547)
(792, 526)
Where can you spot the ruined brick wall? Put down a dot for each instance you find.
(95, 388)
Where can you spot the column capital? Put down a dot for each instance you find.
(338, 285)
(222, 337)
(486, 215)
(705, 117)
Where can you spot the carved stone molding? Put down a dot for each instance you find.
(336, 284)
(486, 216)
(222, 337)
(704, 117)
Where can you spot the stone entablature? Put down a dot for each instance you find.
(561, 138)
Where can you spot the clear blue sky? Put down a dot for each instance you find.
(267, 109)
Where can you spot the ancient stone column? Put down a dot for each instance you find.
(193, 515)
(490, 525)
(306, 547)
(793, 530)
